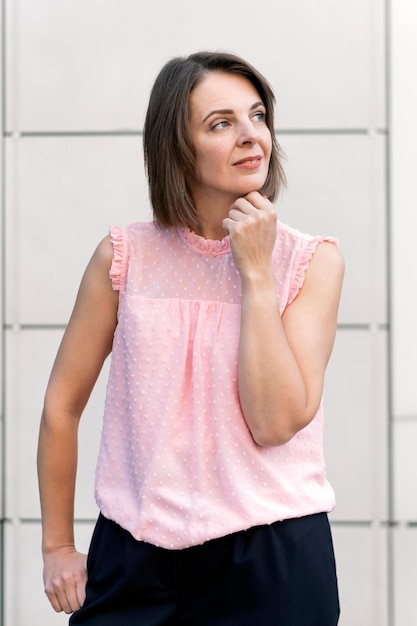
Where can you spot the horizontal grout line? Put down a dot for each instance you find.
(363, 326)
(404, 418)
(361, 523)
(332, 131)
(412, 524)
(37, 520)
(20, 327)
(374, 523)
(354, 326)
(74, 133)
(138, 133)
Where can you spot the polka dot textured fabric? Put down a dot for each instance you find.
(177, 464)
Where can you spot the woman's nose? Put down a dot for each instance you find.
(248, 133)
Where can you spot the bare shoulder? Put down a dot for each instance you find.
(327, 266)
(98, 268)
(96, 287)
(328, 253)
(103, 254)
(324, 277)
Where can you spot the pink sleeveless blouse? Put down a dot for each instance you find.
(177, 464)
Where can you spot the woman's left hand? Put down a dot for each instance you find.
(252, 227)
(282, 359)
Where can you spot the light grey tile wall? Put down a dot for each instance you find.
(357, 426)
(405, 469)
(89, 64)
(362, 590)
(78, 75)
(403, 191)
(336, 184)
(405, 565)
(30, 354)
(67, 192)
(404, 201)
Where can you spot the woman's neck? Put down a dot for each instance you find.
(210, 230)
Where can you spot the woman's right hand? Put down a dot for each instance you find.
(65, 577)
(86, 343)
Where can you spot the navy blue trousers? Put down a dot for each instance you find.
(275, 575)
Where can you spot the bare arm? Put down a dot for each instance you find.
(282, 361)
(86, 344)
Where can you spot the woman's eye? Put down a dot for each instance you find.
(260, 116)
(220, 125)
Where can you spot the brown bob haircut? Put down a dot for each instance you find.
(168, 150)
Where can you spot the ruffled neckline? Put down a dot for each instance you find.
(201, 244)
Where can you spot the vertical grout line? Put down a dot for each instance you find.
(14, 400)
(2, 337)
(2, 300)
(10, 609)
(390, 451)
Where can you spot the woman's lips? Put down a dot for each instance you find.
(249, 162)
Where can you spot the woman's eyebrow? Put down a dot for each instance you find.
(255, 105)
(218, 112)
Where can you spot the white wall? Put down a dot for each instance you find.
(78, 75)
(403, 228)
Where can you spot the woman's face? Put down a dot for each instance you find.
(231, 139)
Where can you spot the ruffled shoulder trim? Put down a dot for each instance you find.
(119, 263)
(307, 247)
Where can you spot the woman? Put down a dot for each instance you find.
(221, 320)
